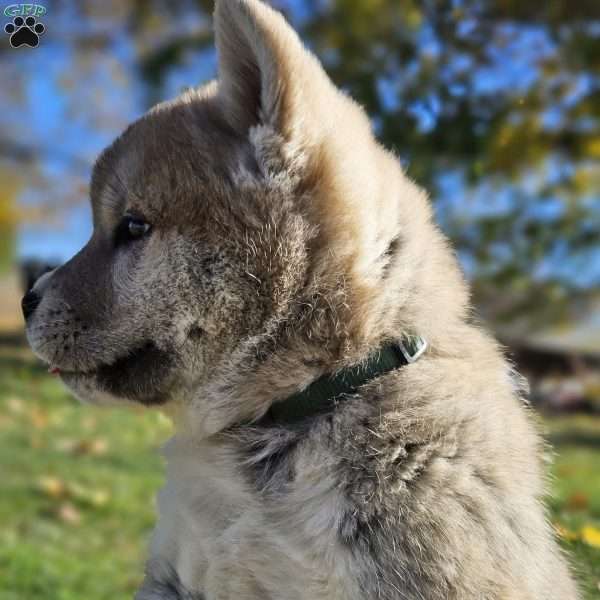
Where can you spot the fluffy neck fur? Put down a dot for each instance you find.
(361, 249)
(352, 286)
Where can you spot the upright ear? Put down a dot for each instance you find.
(266, 76)
(269, 81)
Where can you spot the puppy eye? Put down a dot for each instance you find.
(137, 228)
(131, 228)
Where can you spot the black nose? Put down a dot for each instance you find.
(29, 303)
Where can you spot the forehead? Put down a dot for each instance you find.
(177, 153)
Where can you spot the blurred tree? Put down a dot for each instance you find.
(9, 217)
(493, 105)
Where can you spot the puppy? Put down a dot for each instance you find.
(262, 269)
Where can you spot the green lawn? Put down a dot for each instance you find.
(78, 485)
(575, 501)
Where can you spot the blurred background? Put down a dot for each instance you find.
(493, 105)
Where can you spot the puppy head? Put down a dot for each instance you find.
(253, 214)
(183, 263)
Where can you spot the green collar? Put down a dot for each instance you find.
(324, 393)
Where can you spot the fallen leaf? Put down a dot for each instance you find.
(577, 501)
(69, 514)
(100, 497)
(88, 496)
(15, 405)
(95, 447)
(591, 536)
(52, 487)
(98, 447)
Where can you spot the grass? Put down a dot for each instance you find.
(78, 486)
(575, 500)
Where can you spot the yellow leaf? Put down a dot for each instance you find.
(99, 497)
(52, 486)
(88, 496)
(593, 147)
(591, 536)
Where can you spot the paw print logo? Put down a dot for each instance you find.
(24, 32)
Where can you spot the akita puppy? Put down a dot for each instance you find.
(262, 268)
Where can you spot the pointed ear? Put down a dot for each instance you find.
(263, 68)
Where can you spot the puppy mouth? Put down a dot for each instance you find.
(130, 359)
(141, 375)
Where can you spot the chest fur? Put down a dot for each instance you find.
(223, 536)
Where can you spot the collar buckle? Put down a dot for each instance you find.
(412, 347)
